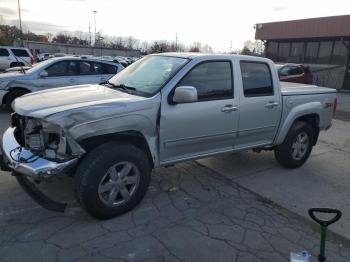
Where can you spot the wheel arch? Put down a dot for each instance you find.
(309, 113)
(12, 89)
(133, 137)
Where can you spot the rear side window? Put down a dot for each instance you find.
(20, 52)
(4, 52)
(64, 68)
(256, 78)
(291, 71)
(109, 69)
(86, 68)
(213, 80)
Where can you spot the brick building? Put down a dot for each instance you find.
(322, 43)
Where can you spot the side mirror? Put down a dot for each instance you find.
(185, 94)
(43, 74)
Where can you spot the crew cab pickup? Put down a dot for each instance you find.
(161, 110)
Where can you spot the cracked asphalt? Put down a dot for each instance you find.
(190, 213)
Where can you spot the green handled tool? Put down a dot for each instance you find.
(324, 224)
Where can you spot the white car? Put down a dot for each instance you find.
(11, 56)
(43, 56)
(55, 72)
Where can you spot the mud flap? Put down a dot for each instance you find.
(39, 196)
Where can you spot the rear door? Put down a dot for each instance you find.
(260, 105)
(91, 72)
(5, 59)
(62, 73)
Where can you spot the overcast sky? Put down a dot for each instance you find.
(216, 23)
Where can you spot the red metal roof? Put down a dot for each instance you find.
(331, 26)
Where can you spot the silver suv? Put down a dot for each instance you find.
(55, 72)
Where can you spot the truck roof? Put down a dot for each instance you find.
(190, 55)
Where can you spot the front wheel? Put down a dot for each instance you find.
(297, 146)
(112, 179)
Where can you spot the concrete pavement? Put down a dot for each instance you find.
(191, 213)
(324, 181)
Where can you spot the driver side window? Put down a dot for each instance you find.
(213, 80)
(63, 68)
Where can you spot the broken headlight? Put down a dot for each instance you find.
(45, 139)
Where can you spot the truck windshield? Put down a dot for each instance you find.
(147, 75)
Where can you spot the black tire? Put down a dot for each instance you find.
(93, 169)
(14, 64)
(284, 152)
(10, 97)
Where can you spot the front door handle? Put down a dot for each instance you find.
(229, 109)
(271, 104)
(72, 80)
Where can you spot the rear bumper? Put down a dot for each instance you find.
(26, 163)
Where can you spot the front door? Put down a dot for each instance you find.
(63, 73)
(190, 130)
(260, 105)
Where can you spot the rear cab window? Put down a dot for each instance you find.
(256, 79)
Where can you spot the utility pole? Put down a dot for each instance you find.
(90, 33)
(20, 22)
(95, 24)
(176, 42)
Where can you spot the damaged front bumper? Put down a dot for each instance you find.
(24, 162)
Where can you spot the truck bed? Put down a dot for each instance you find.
(289, 89)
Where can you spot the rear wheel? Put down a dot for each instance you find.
(10, 97)
(297, 146)
(14, 64)
(112, 179)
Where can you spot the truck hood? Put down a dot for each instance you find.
(83, 98)
(289, 89)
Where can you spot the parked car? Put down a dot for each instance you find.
(161, 110)
(11, 56)
(43, 56)
(121, 60)
(55, 72)
(295, 73)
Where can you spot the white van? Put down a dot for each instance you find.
(11, 56)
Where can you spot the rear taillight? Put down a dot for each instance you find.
(335, 105)
(31, 60)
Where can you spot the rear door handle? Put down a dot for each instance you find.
(229, 109)
(72, 80)
(271, 104)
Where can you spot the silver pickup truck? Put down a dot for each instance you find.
(161, 110)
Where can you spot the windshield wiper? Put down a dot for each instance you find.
(121, 86)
